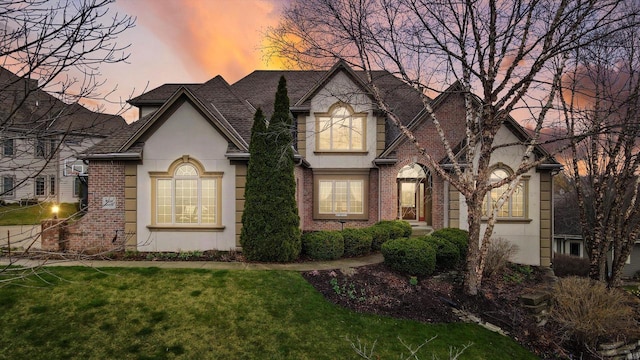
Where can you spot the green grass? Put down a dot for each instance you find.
(14, 214)
(151, 313)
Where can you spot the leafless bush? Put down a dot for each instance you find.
(498, 256)
(367, 352)
(589, 313)
(568, 265)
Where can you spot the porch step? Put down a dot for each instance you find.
(421, 230)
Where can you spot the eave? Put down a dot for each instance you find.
(112, 156)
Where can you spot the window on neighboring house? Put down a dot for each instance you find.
(574, 248)
(341, 196)
(514, 207)
(45, 147)
(187, 195)
(340, 130)
(52, 184)
(8, 147)
(8, 183)
(77, 187)
(40, 148)
(39, 184)
(53, 145)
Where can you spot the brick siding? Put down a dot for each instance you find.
(100, 229)
(306, 211)
(451, 114)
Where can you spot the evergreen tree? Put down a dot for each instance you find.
(271, 225)
(284, 214)
(253, 217)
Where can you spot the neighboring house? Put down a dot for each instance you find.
(174, 179)
(567, 237)
(40, 138)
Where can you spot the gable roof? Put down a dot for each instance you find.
(231, 107)
(341, 65)
(456, 88)
(214, 100)
(24, 106)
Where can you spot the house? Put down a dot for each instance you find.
(40, 139)
(567, 237)
(174, 179)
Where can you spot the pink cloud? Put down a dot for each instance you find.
(211, 37)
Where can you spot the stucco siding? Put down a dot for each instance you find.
(340, 88)
(526, 235)
(185, 132)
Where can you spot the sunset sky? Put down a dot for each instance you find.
(179, 41)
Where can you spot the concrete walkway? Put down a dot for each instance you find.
(20, 236)
(213, 265)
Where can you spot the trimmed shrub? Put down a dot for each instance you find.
(380, 235)
(589, 313)
(395, 232)
(498, 256)
(568, 265)
(398, 228)
(407, 230)
(323, 245)
(457, 236)
(447, 253)
(357, 242)
(410, 255)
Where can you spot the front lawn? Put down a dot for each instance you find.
(151, 313)
(14, 214)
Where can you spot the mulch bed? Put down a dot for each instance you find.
(378, 290)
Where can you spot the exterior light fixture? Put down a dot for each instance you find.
(54, 210)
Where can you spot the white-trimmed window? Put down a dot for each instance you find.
(341, 130)
(341, 195)
(52, 184)
(8, 184)
(187, 195)
(39, 186)
(574, 248)
(40, 148)
(77, 187)
(515, 207)
(45, 147)
(8, 147)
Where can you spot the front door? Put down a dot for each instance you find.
(409, 200)
(414, 194)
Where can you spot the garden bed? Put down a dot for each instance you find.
(377, 289)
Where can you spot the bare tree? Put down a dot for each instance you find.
(602, 98)
(50, 58)
(511, 54)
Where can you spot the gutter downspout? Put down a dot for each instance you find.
(445, 199)
(379, 194)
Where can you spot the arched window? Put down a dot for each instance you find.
(186, 195)
(340, 129)
(516, 205)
